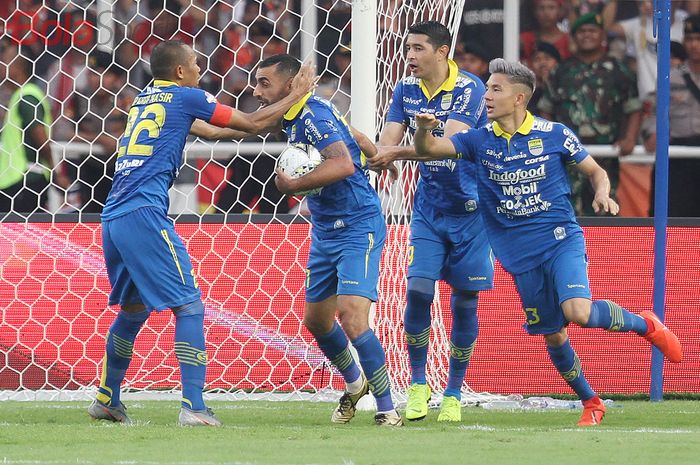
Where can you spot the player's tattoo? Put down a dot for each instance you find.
(335, 150)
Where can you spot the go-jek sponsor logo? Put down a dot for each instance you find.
(518, 176)
(520, 206)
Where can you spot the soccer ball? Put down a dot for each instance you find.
(298, 160)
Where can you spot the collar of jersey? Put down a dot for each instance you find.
(524, 128)
(448, 85)
(296, 108)
(164, 83)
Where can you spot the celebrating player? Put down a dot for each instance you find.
(347, 239)
(448, 240)
(521, 174)
(147, 263)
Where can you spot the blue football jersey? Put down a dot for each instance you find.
(461, 98)
(150, 151)
(315, 121)
(523, 187)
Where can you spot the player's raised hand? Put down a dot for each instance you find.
(603, 204)
(426, 121)
(305, 80)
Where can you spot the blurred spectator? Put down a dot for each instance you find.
(684, 122)
(163, 22)
(678, 54)
(595, 95)
(26, 164)
(100, 121)
(472, 57)
(548, 13)
(333, 22)
(335, 85)
(641, 43)
(482, 22)
(543, 60)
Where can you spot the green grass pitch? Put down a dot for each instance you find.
(261, 433)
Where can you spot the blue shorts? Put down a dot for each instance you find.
(345, 261)
(147, 262)
(453, 248)
(543, 289)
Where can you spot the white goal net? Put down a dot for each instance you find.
(248, 242)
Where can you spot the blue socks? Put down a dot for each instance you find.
(373, 361)
(610, 316)
(334, 346)
(191, 352)
(465, 328)
(569, 366)
(119, 346)
(419, 297)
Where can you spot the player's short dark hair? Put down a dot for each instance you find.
(438, 34)
(166, 56)
(286, 64)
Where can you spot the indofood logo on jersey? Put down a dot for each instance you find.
(535, 146)
(518, 176)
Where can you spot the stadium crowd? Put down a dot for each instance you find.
(607, 45)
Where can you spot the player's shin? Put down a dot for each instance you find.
(334, 346)
(119, 346)
(568, 365)
(610, 316)
(419, 297)
(465, 328)
(373, 361)
(191, 353)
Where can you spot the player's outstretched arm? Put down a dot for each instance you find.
(260, 122)
(372, 153)
(208, 131)
(336, 165)
(602, 203)
(389, 150)
(429, 147)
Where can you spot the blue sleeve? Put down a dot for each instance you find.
(322, 129)
(464, 144)
(573, 152)
(396, 113)
(469, 105)
(198, 103)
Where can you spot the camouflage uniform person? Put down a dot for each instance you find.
(596, 96)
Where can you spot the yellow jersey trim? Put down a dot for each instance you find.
(164, 83)
(296, 108)
(448, 85)
(524, 128)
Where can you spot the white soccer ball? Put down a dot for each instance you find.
(298, 160)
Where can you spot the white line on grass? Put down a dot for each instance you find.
(579, 430)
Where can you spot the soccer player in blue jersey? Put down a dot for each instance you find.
(347, 238)
(147, 263)
(521, 173)
(448, 240)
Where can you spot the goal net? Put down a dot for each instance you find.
(90, 58)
